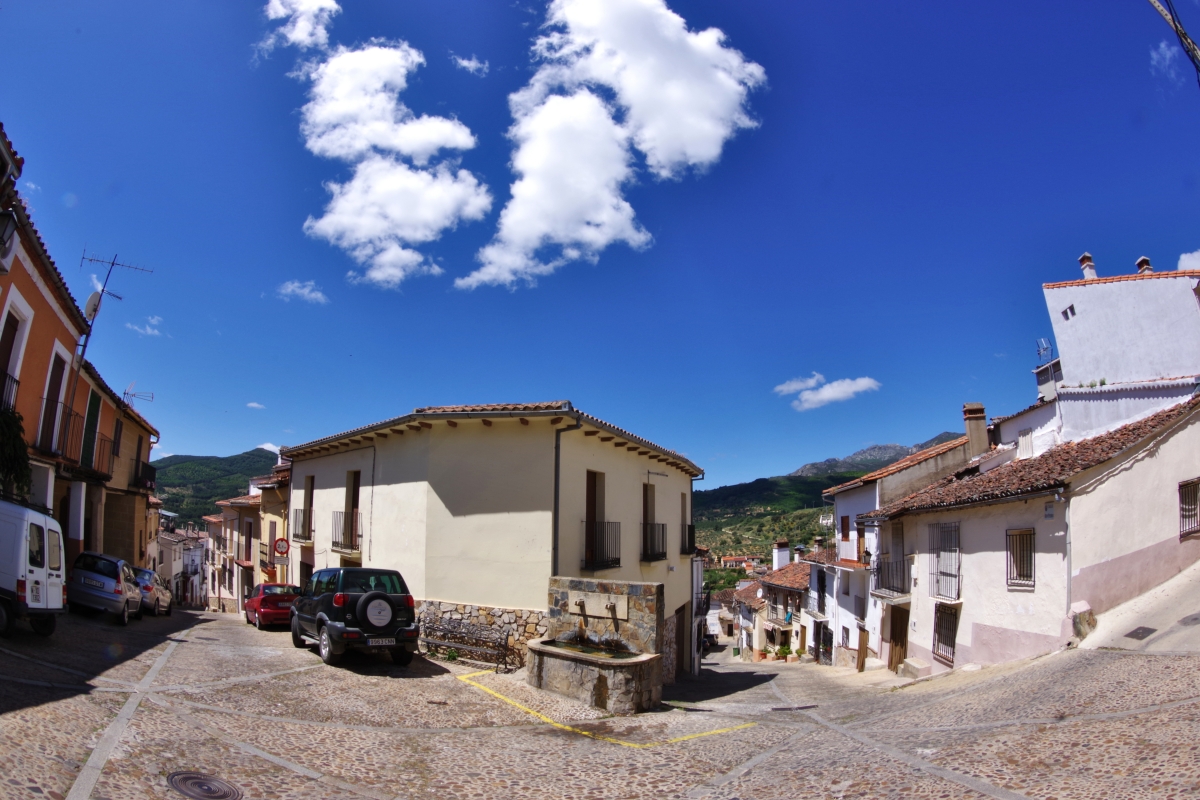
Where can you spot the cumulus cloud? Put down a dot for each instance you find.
(799, 384)
(306, 23)
(154, 320)
(96, 284)
(302, 290)
(33, 187)
(259, 406)
(834, 392)
(1166, 60)
(274, 448)
(148, 329)
(1189, 261)
(405, 188)
(644, 82)
(472, 65)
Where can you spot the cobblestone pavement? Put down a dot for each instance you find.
(106, 712)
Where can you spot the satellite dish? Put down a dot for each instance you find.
(91, 306)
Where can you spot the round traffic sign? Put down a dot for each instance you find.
(281, 547)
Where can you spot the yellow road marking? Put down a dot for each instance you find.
(640, 745)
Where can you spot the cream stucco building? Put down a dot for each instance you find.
(480, 505)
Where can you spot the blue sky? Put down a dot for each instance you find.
(867, 192)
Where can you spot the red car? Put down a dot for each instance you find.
(270, 604)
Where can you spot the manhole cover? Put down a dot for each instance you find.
(199, 786)
(1140, 632)
(1191, 619)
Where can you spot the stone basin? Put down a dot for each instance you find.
(616, 681)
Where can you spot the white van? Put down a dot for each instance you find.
(32, 565)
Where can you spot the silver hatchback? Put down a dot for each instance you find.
(156, 595)
(105, 583)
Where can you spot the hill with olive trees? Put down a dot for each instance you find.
(190, 486)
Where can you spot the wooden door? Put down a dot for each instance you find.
(899, 649)
(862, 650)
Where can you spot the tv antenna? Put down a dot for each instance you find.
(130, 395)
(1045, 350)
(1172, 17)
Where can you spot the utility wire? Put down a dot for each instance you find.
(1189, 47)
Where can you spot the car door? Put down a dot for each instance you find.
(132, 590)
(306, 607)
(36, 590)
(55, 566)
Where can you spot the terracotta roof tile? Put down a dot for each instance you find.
(1051, 470)
(1177, 273)
(792, 575)
(901, 465)
(749, 596)
(554, 405)
(1040, 402)
(244, 500)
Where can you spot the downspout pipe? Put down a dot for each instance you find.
(558, 432)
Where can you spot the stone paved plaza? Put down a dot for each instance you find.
(107, 712)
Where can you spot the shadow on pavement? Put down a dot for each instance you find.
(714, 685)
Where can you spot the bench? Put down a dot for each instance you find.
(469, 641)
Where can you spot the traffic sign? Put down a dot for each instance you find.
(281, 547)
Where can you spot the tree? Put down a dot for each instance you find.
(15, 474)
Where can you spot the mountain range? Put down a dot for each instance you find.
(870, 458)
(190, 486)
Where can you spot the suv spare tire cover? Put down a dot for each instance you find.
(375, 610)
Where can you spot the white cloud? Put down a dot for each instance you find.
(1189, 261)
(387, 206)
(472, 65)
(1166, 61)
(799, 384)
(678, 96)
(259, 406)
(148, 329)
(304, 290)
(96, 284)
(33, 187)
(306, 23)
(274, 448)
(834, 392)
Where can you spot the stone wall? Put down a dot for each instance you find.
(520, 624)
(642, 631)
(669, 649)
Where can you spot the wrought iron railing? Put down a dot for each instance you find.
(816, 603)
(347, 531)
(945, 633)
(687, 539)
(1189, 508)
(302, 525)
(654, 541)
(945, 561)
(61, 433)
(894, 577)
(1020, 558)
(101, 457)
(8, 395)
(601, 545)
(144, 476)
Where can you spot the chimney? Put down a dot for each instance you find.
(976, 422)
(782, 554)
(1143, 265)
(1088, 266)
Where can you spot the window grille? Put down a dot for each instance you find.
(945, 631)
(1020, 557)
(1189, 508)
(945, 560)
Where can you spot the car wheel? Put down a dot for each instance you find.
(297, 640)
(123, 617)
(258, 621)
(401, 656)
(325, 646)
(43, 625)
(5, 621)
(169, 604)
(156, 608)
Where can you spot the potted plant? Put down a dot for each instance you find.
(786, 653)
(769, 652)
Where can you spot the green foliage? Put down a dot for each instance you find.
(718, 579)
(14, 454)
(191, 485)
(784, 651)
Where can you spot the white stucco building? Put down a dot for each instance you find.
(480, 505)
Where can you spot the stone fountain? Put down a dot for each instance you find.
(603, 644)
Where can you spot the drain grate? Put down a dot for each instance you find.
(1140, 633)
(200, 786)
(1191, 619)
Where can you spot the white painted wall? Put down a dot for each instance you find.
(1127, 331)
(1088, 412)
(1043, 420)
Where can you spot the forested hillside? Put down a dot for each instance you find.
(191, 485)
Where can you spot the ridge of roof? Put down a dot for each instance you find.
(792, 575)
(1049, 471)
(901, 465)
(1040, 402)
(243, 500)
(1178, 273)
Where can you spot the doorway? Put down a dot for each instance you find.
(861, 660)
(899, 641)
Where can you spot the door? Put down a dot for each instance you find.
(820, 591)
(50, 404)
(861, 661)
(36, 590)
(825, 654)
(91, 421)
(899, 649)
(55, 568)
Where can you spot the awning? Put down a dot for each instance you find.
(246, 564)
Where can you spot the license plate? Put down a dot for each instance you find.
(285, 605)
(96, 583)
(381, 642)
(35, 594)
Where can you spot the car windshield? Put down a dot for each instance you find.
(373, 580)
(87, 562)
(281, 590)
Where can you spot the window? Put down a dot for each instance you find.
(37, 546)
(897, 540)
(1025, 443)
(118, 429)
(845, 529)
(945, 630)
(845, 580)
(1048, 511)
(1020, 557)
(50, 402)
(845, 636)
(1068, 312)
(945, 559)
(1189, 508)
(54, 545)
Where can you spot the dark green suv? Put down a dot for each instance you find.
(351, 608)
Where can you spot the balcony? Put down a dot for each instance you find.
(302, 525)
(8, 396)
(601, 545)
(891, 581)
(61, 433)
(816, 605)
(687, 539)
(654, 541)
(143, 476)
(347, 531)
(100, 455)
